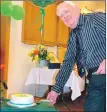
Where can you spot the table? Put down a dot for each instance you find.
(46, 76)
(42, 107)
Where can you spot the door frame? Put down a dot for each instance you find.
(5, 33)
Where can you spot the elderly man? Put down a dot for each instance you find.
(87, 48)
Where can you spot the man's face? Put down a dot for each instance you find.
(69, 14)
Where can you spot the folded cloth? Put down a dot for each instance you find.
(77, 85)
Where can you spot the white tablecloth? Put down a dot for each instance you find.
(47, 77)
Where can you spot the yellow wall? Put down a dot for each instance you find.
(91, 4)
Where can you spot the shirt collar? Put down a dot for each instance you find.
(81, 20)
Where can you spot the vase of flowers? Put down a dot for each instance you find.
(40, 55)
(42, 63)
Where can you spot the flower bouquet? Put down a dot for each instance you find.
(40, 55)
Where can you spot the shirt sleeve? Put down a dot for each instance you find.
(67, 65)
(100, 22)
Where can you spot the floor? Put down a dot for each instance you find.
(75, 106)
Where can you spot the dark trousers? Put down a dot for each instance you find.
(96, 98)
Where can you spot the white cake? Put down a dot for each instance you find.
(21, 99)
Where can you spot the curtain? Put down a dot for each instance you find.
(30, 26)
(55, 32)
(50, 26)
(61, 53)
(63, 34)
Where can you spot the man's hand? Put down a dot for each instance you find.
(102, 67)
(52, 96)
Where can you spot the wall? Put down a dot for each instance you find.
(93, 5)
(19, 63)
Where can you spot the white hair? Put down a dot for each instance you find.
(70, 3)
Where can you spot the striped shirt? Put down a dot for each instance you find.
(91, 32)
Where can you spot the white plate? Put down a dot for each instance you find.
(21, 106)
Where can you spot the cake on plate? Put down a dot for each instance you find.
(21, 100)
(18, 98)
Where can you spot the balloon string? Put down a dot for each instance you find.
(42, 24)
(43, 14)
(38, 18)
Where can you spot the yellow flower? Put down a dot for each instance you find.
(43, 47)
(30, 53)
(36, 58)
(49, 54)
(38, 46)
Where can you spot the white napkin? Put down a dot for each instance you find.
(77, 86)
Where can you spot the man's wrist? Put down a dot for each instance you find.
(57, 89)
